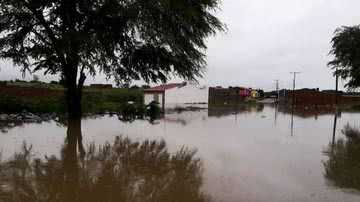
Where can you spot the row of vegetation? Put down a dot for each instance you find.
(93, 101)
(36, 83)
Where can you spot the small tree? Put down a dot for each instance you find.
(125, 39)
(36, 78)
(346, 50)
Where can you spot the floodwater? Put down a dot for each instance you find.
(253, 153)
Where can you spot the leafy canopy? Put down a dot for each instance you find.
(125, 39)
(346, 49)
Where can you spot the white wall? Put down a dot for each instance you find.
(148, 98)
(191, 93)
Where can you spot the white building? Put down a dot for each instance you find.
(178, 95)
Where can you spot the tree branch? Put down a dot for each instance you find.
(81, 81)
(42, 38)
(39, 16)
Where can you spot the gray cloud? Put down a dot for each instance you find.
(268, 39)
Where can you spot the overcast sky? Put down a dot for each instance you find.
(267, 39)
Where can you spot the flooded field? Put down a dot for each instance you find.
(253, 153)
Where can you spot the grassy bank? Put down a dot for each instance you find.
(355, 107)
(94, 101)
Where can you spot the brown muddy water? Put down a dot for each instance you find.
(259, 153)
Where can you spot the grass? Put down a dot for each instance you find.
(15, 104)
(354, 107)
(113, 100)
(93, 101)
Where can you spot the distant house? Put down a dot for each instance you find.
(254, 94)
(230, 95)
(316, 97)
(245, 92)
(177, 95)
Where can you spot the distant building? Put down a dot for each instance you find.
(244, 92)
(102, 86)
(177, 95)
(316, 97)
(230, 95)
(254, 94)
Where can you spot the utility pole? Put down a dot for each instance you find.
(336, 106)
(336, 87)
(294, 83)
(277, 88)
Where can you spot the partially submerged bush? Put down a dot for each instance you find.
(153, 110)
(351, 132)
(342, 168)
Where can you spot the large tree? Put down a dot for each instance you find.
(346, 52)
(125, 39)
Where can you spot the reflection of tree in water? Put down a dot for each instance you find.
(306, 111)
(343, 166)
(122, 171)
(17, 120)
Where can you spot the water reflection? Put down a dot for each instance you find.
(307, 111)
(337, 115)
(122, 171)
(342, 168)
(10, 121)
(240, 109)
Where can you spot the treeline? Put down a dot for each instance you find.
(36, 80)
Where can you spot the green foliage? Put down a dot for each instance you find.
(261, 93)
(51, 85)
(153, 110)
(148, 39)
(93, 101)
(13, 104)
(346, 50)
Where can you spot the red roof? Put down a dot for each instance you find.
(164, 87)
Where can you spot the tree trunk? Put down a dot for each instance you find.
(74, 92)
(73, 99)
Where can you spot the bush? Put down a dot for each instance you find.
(153, 110)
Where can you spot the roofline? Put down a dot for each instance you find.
(153, 91)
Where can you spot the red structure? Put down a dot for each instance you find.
(244, 92)
(315, 97)
(163, 88)
(29, 91)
